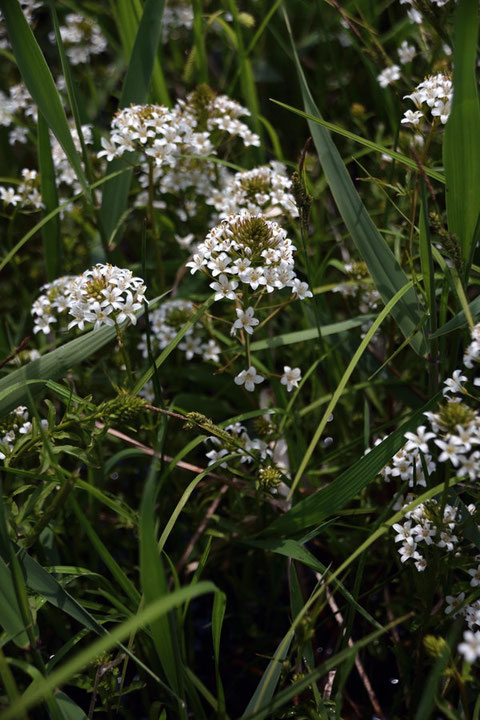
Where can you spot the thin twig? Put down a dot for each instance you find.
(15, 352)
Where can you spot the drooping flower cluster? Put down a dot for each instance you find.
(26, 194)
(435, 93)
(264, 190)
(12, 427)
(81, 37)
(251, 250)
(168, 320)
(103, 295)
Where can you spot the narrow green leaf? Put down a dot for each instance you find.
(387, 274)
(39, 81)
(461, 145)
(10, 617)
(218, 614)
(159, 608)
(326, 502)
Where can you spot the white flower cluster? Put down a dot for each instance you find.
(176, 16)
(250, 250)
(103, 295)
(250, 448)
(16, 424)
(264, 190)
(436, 93)
(388, 76)
(18, 109)
(472, 353)
(26, 194)
(168, 320)
(426, 524)
(82, 38)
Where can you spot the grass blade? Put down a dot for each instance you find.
(39, 81)
(387, 274)
(461, 146)
(38, 691)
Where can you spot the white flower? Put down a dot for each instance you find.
(300, 289)
(215, 455)
(249, 378)
(198, 261)
(474, 573)
(419, 439)
(388, 76)
(406, 52)
(470, 647)
(291, 377)
(412, 117)
(453, 603)
(409, 551)
(450, 452)
(245, 321)
(224, 288)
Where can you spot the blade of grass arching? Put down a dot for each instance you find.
(116, 571)
(154, 585)
(218, 614)
(159, 608)
(461, 144)
(403, 159)
(52, 365)
(52, 244)
(135, 90)
(198, 35)
(10, 617)
(51, 215)
(343, 382)
(166, 352)
(387, 274)
(9, 684)
(326, 502)
(40, 84)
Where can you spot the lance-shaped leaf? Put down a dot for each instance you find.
(461, 147)
(39, 81)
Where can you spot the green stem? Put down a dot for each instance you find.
(51, 512)
(125, 355)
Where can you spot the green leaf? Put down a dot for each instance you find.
(460, 320)
(39, 81)
(387, 274)
(461, 145)
(326, 502)
(10, 616)
(135, 90)
(159, 608)
(154, 585)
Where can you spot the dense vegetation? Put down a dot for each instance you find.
(240, 424)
